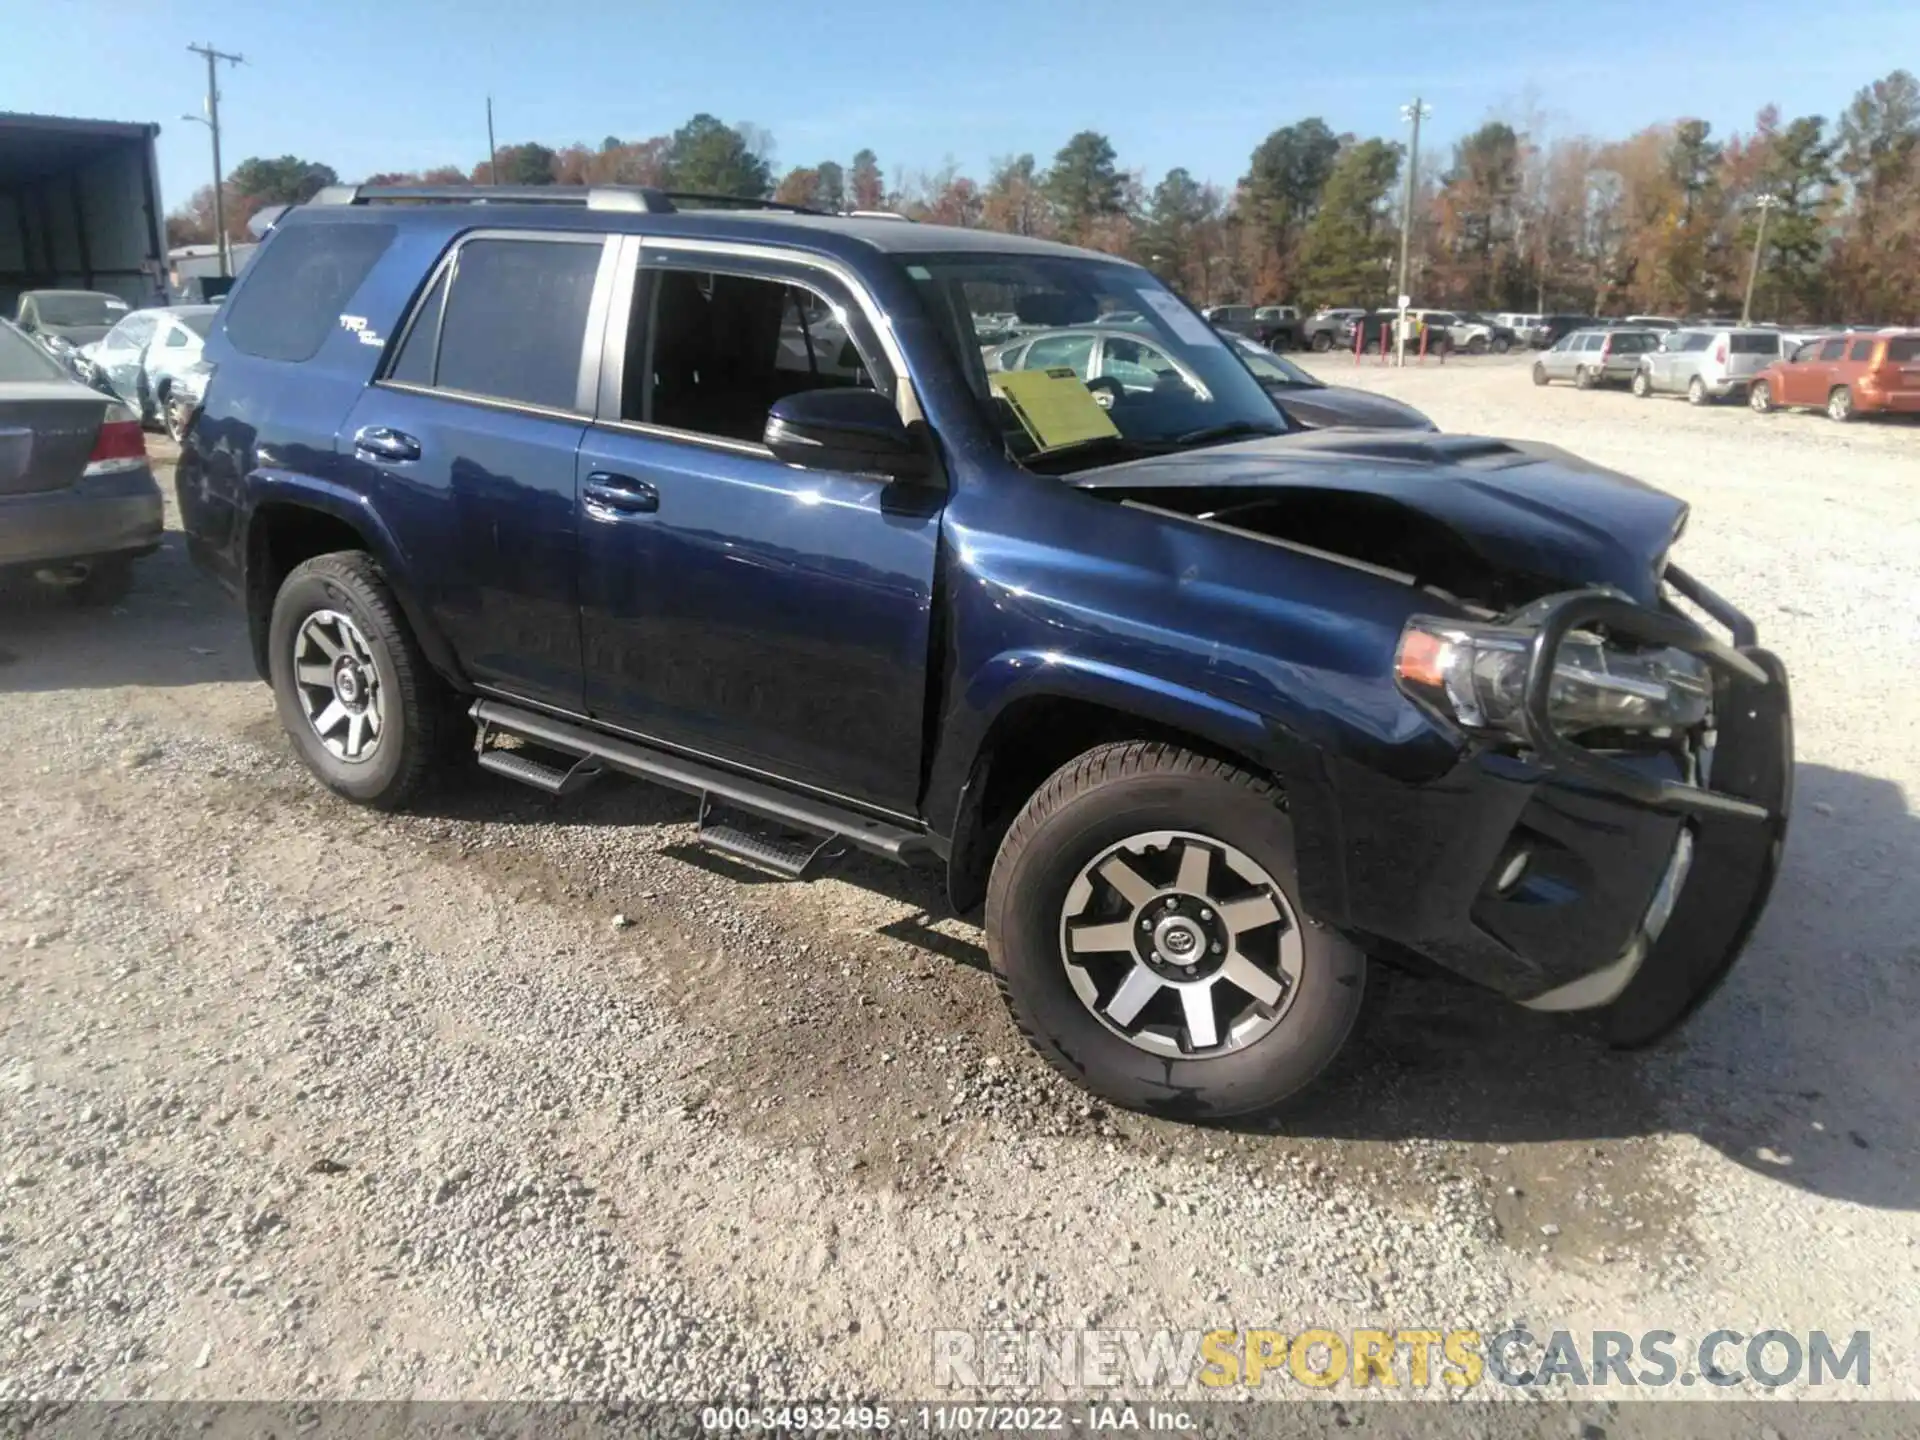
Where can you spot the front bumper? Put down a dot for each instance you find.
(98, 515)
(1562, 877)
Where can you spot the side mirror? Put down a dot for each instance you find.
(851, 429)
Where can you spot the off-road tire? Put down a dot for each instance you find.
(417, 709)
(1093, 802)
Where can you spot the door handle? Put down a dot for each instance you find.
(384, 443)
(619, 497)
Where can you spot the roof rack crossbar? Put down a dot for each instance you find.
(740, 202)
(637, 198)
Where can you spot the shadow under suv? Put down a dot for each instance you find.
(1206, 713)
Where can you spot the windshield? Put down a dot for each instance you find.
(1165, 382)
(1271, 368)
(21, 359)
(78, 307)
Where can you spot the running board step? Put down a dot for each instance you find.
(793, 860)
(550, 778)
(840, 824)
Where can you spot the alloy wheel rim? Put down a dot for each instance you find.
(339, 686)
(1181, 945)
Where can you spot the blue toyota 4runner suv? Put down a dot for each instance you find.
(1209, 712)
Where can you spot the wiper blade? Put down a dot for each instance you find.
(1231, 430)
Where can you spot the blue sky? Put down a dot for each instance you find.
(367, 85)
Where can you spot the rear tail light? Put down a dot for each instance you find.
(120, 445)
(1606, 347)
(1720, 353)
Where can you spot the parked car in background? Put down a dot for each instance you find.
(1600, 356)
(1275, 326)
(78, 503)
(65, 320)
(1372, 327)
(1845, 375)
(1552, 329)
(1660, 323)
(139, 359)
(1478, 334)
(1311, 402)
(1518, 321)
(1321, 330)
(1706, 364)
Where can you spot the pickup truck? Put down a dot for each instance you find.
(1209, 718)
(1275, 326)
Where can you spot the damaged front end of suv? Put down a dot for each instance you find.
(1589, 813)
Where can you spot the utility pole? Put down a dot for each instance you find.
(493, 151)
(1766, 205)
(213, 123)
(1415, 112)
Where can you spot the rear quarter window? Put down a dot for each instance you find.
(1903, 351)
(1755, 345)
(298, 286)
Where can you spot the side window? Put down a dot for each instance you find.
(176, 338)
(1050, 351)
(1135, 364)
(718, 349)
(1567, 342)
(1697, 341)
(514, 319)
(1802, 353)
(1861, 350)
(1832, 349)
(298, 285)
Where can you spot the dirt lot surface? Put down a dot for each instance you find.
(524, 1097)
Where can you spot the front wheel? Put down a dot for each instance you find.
(1840, 404)
(173, 415)
(1321, 342)
(1501, 344)
(1539, 373)
(1760, 398)
(364, 710)
(1477, 345)
(1145, 928)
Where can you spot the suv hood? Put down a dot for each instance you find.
(1542, 517)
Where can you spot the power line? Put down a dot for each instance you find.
(1766, 205)
(212, 123)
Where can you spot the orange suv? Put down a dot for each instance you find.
(1846, 375)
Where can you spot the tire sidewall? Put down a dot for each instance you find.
(1539, 373)
(1641, 386)
(1024, 902)
(1696, 391)
(1840, 404)
(1760, 397)
(303, 593)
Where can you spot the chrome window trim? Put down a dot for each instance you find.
(490, 402)
(690, 437)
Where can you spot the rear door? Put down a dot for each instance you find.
(1898, 370)
(773, 617)
(1816, 375)
(1751, 351)
(469, 441)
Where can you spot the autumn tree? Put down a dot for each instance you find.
(1014, 200)
(867, 186)
(1877, 259)
(799, 186)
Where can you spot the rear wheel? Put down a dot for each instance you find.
(1697, 391)
(365, 712)
(173, 415)
(1321, 342)
(1642, 384)
(1583, 378)
(1477, 345)
(1840, 404)
(1760, 398)
(1501, 344)
(1144, 924)
(1539, 373)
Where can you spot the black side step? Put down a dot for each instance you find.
(888, 838)
(549, 778)
(795, 859)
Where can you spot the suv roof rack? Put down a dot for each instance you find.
(637, 199)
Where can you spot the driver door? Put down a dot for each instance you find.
(773, 617)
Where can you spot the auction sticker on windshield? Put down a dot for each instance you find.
(1054, 406)
(1187, 325)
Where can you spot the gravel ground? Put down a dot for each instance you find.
(529, 1098)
